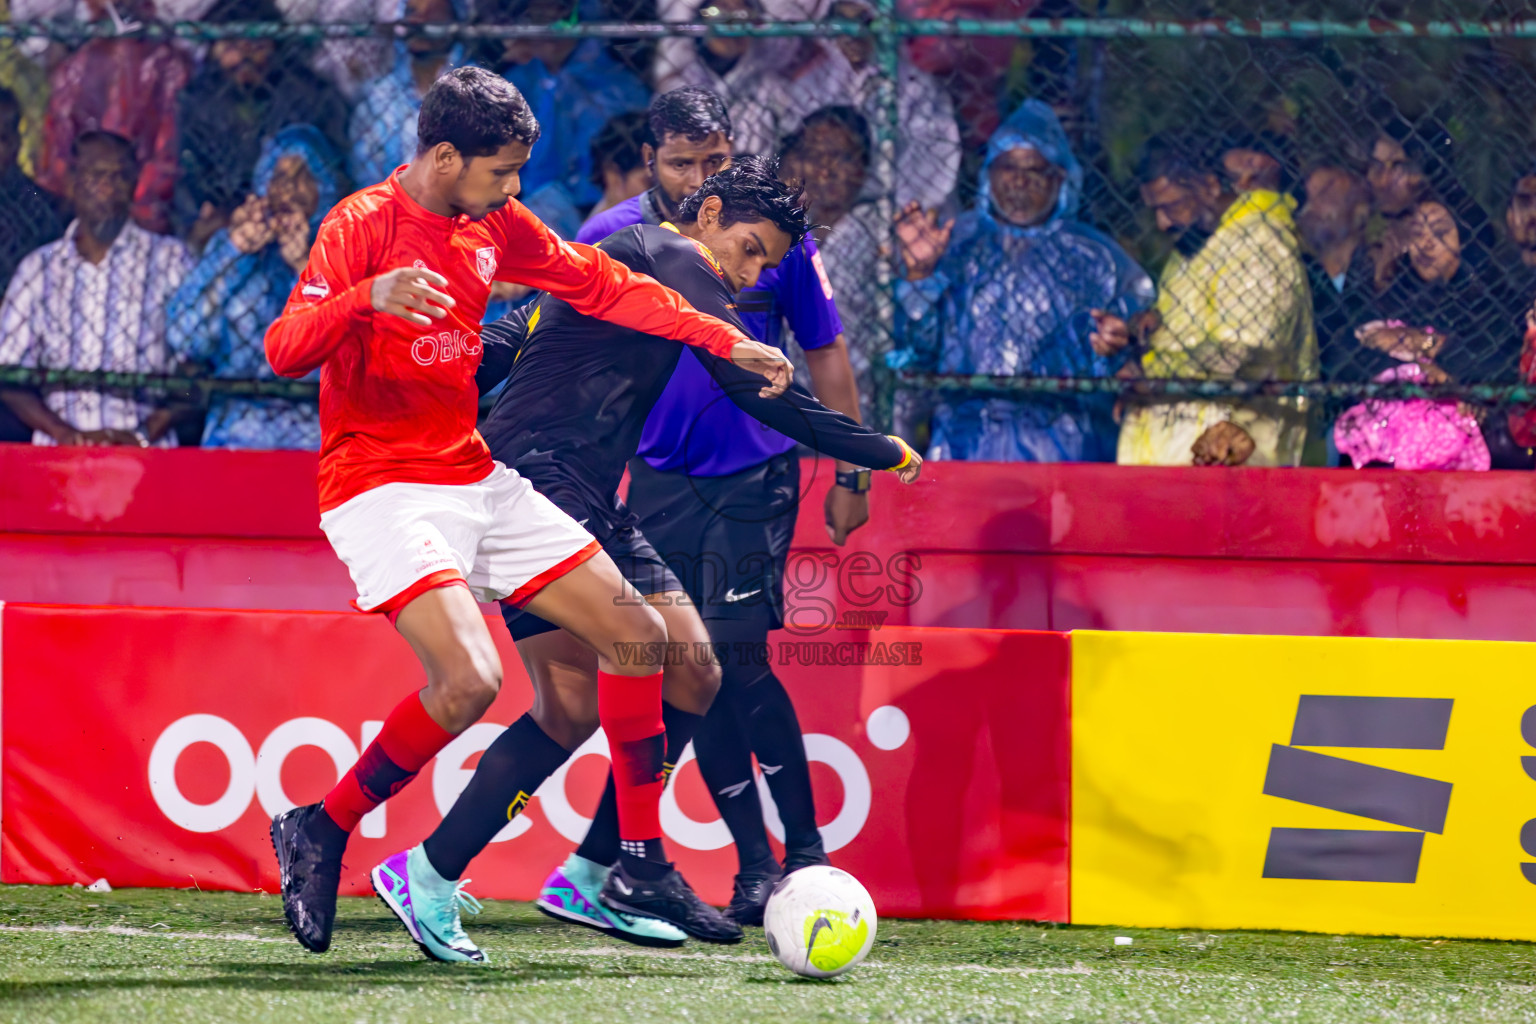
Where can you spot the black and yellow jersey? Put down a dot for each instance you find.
(578, 389)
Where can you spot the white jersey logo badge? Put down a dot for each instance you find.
(485, 263)
(821, 272)
(316, 287)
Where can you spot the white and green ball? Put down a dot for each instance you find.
(820, 922)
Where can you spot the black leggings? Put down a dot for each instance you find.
(753, 715)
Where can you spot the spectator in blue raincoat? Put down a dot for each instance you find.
(219, 315)
(383, 125)
(1019, 287)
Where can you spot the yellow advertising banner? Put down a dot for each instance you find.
(1307, 783)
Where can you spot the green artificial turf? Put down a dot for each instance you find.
(70, 955)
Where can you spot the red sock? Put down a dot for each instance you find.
(409, 739)
(629, 708)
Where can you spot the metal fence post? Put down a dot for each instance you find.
(888, 52)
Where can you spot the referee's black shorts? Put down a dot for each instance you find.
(616, 530)
(725, 537)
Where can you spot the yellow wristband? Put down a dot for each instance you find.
(907, 459)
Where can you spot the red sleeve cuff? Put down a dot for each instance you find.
(720, 343)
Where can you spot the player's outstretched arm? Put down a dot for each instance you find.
(799, 415)
(683, 268)
(767, 362)
(599, 286)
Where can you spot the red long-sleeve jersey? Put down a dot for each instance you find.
(398, 401)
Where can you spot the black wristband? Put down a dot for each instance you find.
(856, 481)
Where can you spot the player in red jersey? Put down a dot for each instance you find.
(389, 308)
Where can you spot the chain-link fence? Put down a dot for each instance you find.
(1054, 229)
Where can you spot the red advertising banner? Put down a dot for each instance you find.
(150, 747)
(1054, 546)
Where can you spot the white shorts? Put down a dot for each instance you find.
(500, 536)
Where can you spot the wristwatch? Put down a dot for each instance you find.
(856, 480)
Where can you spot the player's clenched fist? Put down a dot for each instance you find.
(911, 467)
(766, 360)
(412, 293)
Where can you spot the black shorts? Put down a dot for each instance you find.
(615, 529)
(725, 537)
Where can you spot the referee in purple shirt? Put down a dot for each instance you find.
(717, 493)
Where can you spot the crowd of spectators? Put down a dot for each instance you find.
(158, 198)
(1385, 272)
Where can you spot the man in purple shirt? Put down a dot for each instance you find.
(722, 491)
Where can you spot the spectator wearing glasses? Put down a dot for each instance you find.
(928, 139)
(829, 155)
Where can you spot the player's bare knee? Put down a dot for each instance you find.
(706, 676)
(691, 682)
(650, 625)
(637, 642)
(466, 690)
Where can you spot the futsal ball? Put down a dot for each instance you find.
(820, 922)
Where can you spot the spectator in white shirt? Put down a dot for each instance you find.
(829, 156)
(94, 300)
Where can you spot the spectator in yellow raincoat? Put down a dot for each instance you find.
(1233, 304)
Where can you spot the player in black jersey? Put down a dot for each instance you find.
(577, 394)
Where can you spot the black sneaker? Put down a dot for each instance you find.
(309, 846)
(669, 899)
(804, 857)
(750, 896)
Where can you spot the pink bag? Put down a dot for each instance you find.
(1413, 433)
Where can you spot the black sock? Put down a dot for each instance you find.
(767, 720)
(601, 844)
(725, 762)
(773, 729)
(644, 858)
(515, 764)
